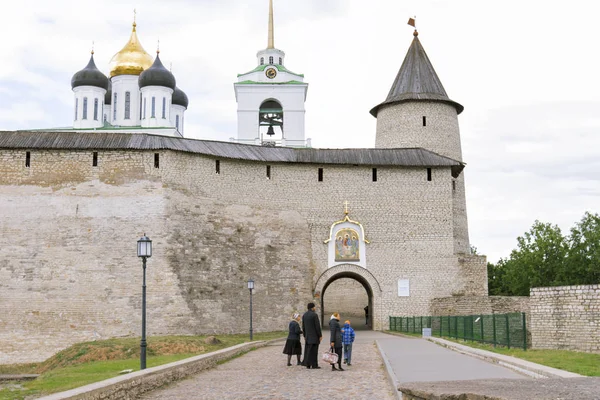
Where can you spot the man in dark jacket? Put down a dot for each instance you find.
(311, 329)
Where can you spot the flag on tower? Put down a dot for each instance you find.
(411, 22)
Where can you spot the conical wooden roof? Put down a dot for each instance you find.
(417, 81)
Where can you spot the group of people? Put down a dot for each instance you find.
(341, 339)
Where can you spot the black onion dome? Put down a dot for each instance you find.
(108, 94)
(179, 98)
(90, 76)
(157, 75)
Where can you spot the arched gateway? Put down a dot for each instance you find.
(361, 275)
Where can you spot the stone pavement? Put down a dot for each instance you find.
(417, 360)
(263, 374)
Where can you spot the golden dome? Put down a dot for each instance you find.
(132, 59)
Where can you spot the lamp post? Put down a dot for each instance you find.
(144, 250)
(250, 287)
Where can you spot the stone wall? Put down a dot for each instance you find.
(347, 297)
(479, 305)
(566, 318)
(69, 271)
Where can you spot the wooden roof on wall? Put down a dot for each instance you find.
(401, 157)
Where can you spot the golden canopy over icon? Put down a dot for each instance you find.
(132, 59)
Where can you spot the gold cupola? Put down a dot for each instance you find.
(132, 59)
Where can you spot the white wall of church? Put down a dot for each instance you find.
(88, 107)
(156, 103)
(121, 85)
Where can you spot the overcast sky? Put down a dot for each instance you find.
(527, 73)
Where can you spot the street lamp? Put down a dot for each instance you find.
(250, 287)
(144, 250)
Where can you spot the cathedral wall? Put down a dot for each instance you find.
(69, 271)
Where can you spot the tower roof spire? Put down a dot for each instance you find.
(417, 80)
(271, 44)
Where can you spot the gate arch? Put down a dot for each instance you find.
(361, 275)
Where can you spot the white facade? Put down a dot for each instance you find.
(88, 108)
(177, 117)
(156, 106)
(125, 100)
(271, 81)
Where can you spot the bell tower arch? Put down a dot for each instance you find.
(269, 95)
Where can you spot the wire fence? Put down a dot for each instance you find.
(508, 330)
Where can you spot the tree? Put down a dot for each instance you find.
(497, 278)
(583, 260)
(537, 261)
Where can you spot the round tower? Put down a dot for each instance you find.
(179, 103)
(89, 87)
(156, 85)
(418, 113)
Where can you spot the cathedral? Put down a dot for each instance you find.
(382, 227)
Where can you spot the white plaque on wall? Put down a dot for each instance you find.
(403, 288)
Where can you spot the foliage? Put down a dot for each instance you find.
(544, 257)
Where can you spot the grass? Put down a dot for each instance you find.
(90, 362)
(587, 364)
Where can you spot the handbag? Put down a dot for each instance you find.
(330, 357)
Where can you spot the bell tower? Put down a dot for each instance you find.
(271, 100)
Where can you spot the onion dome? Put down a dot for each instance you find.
(179, 98)
(90, 76)
(132, 59)
(157, 75)
(108, 94)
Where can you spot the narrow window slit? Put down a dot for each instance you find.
(429, 174)
(453, 185)
(268, 172)
(95, 159)
(27, 159)
(320, 174)
(156, 160)
(217, 166)
(374, 174)
(424, 121)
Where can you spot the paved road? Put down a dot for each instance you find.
(262, 374)
(417, 360)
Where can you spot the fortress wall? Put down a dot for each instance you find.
(69, 271)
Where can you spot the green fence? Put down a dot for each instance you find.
(508, 330)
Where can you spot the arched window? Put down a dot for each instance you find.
(140, 106)
(114, 108)
(164, 110)
(280, 61)
(153, 115)
(127, 105)
(76, 108)
(144, 108)
(95, 109)
(262, 61)
(84, 108)
(271, 60)
(177, 122)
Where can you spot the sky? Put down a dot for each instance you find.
(526, 72)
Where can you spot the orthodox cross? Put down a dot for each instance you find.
(346, 207)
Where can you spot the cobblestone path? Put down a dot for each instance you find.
(263, 374)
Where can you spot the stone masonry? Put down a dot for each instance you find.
(69, 271)
(566, 318)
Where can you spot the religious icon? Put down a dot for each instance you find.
(347, 245)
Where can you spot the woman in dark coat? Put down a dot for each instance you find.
(292, 344)
(336, 339)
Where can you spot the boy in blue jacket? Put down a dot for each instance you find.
(347, 340)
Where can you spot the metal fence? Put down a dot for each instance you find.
(508, 330)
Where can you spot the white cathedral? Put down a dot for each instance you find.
(141, 96)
